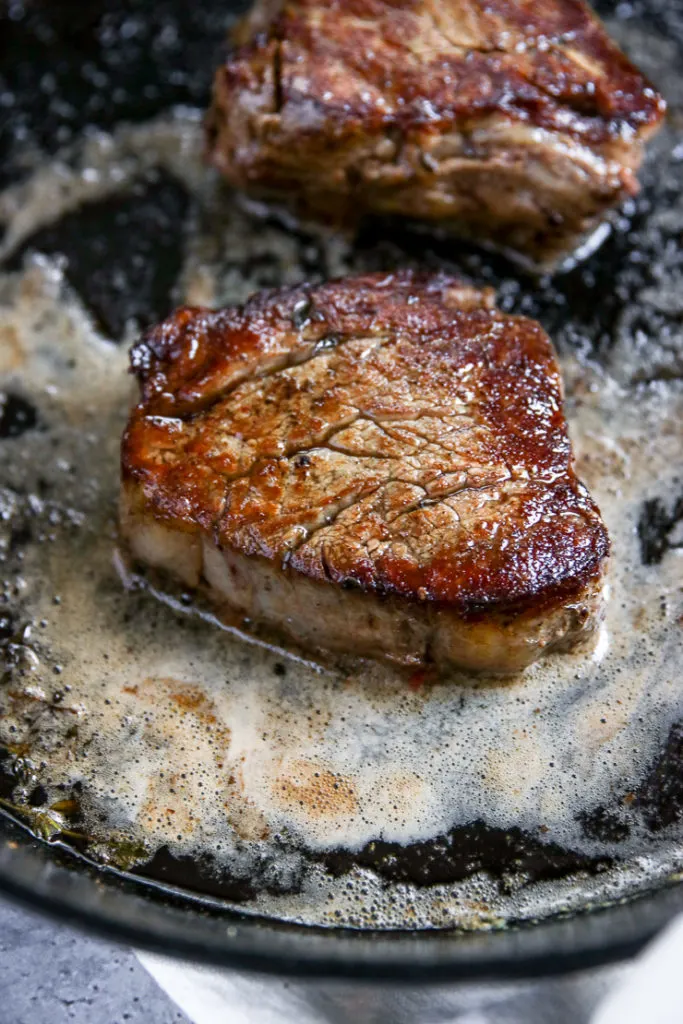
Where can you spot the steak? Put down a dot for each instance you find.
(518, 124)
(379, 464)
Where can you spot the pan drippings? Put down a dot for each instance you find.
(183, 748)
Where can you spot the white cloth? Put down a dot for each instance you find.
(651, 992)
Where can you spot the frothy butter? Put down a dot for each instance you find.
(181, 732)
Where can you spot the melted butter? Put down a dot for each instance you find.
(180, 732)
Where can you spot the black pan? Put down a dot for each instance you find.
(74, 66)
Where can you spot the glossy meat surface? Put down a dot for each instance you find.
(390, 450)
(516, 123)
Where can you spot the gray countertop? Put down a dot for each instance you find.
(50, 973)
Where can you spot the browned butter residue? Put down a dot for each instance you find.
(186, 699)
(191, 700)
(320, 792)
(170, 797)
(248, 821)
(12, 354)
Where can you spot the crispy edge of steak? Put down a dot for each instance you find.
(455, 114)
(194, 359)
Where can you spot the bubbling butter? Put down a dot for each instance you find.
(180, 732)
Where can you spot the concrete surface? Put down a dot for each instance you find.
(50, 974)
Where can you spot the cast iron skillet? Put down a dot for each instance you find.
(67, 65)
(60, 884)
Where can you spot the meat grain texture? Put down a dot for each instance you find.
(378, 465)
(515, 123)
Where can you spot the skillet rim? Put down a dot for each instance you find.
(64, 885)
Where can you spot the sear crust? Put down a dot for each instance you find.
(379, 464)
(515, 123)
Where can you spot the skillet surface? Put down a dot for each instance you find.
(110, 235)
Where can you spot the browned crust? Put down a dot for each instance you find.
(228, 442)
(519, 122)
(378, 62)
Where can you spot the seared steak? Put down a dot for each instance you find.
(517, 123)
(379, 464)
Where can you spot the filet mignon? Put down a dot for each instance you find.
(516, 123)
(379, 464)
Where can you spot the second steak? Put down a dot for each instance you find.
(518, 124)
